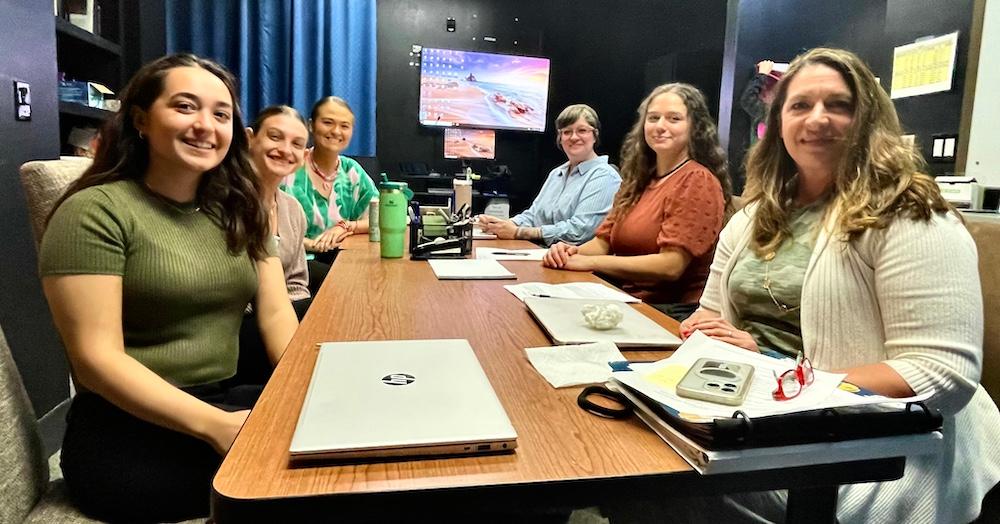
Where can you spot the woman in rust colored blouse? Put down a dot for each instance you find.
(658, 240)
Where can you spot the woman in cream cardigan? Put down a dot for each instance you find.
(848, 253)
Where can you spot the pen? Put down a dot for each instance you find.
(513, 253)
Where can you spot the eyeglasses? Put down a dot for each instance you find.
(793, 381)
(582, 132)
(785, 308)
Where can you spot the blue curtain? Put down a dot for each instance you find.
(287, 52)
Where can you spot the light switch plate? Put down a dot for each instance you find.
(22, 100)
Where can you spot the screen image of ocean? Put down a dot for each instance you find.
(469, 143)
(460, 88)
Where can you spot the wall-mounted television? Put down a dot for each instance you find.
(470, 143)
(487, 90)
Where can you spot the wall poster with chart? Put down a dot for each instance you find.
(924, 67)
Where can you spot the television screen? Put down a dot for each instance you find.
(470, 143)
(464, 88)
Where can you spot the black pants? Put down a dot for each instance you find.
(119, 468)
(254, 366)
(678, 312)
(319, 267)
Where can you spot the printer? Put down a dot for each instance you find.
(962, 191)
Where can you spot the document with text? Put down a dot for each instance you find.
(572, 290)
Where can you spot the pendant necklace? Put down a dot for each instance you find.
(188, 208)
(327, 180)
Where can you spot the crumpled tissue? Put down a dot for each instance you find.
(602, 316)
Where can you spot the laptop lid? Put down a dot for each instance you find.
(562, 320)
(383, 399)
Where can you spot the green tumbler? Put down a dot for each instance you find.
(393, 202)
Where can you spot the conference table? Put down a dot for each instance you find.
(565, 458)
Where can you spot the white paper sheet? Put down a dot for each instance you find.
(469, 270)
(573, 290)
(479, 234)
(498, 253)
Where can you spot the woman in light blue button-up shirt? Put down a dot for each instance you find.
(576, 195)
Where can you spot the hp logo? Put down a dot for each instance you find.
(397, 379)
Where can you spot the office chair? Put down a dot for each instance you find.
(44, 181)
(27, 495)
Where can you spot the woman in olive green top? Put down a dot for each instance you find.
(148, 263)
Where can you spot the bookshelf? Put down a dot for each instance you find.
(90, 57)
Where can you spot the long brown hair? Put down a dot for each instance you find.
(878, 178)
(639, 160)
(229, 192)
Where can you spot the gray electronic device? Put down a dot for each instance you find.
(561, 319)
(718, 381)
(391, 399)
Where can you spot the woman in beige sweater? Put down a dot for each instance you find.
(848, 254)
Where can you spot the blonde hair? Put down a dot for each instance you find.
(639, 160)
(878, 178)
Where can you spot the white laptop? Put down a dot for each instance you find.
(387, 399)
(562, 320)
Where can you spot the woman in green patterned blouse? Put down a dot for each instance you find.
(334, 190)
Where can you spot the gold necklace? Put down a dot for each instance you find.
(272, 215)
(785, 308)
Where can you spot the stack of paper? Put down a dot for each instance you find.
(708, 462)
(479, 234)
(498, 253)
(469, 270)
(659, 381)
(656, 384)
(573, 290)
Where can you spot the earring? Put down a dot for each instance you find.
(141, 136)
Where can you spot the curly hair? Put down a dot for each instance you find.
(639, 160)
(878, 178)
(229, 193)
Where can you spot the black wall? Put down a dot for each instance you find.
(780, 29)
(601, 55)
(27, 37)
(401, 24)
(936, 113)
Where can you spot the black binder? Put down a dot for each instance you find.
(806, 427)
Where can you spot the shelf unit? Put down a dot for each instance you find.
(88, 57)
(437, 190)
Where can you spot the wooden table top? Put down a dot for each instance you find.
(368, 298)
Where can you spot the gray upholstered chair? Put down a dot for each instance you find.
(44, 181)
(26, 495)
